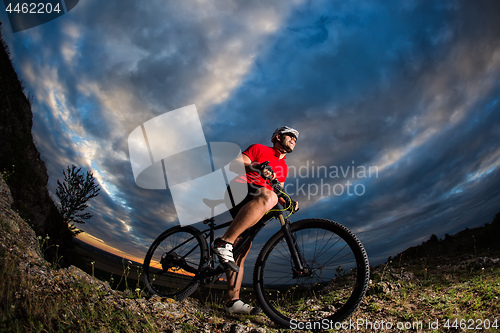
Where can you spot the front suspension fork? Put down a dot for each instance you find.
(299, 263)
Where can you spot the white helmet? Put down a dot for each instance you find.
(285, 130)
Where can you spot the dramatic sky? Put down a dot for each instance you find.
(403, 93)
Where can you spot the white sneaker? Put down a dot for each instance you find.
(224, 251)
(239, 307)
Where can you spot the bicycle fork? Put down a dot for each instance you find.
(300, 268)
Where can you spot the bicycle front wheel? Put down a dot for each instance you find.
(173, 260)
(329, 288)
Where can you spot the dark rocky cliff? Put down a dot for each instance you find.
(20, 160)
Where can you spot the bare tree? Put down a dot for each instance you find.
(73, 193)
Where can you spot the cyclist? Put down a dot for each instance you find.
(249, 210)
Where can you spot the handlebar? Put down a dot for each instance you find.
(278, 189)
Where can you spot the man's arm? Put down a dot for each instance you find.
(239, 163)
(244, 161)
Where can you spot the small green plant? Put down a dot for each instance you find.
(474, 242)
(138, 292)
(45, 245)
(111, 280)
(7, 174)
(384, 270)
(126, 271)
(188, 328)
(374, 307)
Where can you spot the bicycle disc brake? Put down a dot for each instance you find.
(304, 273)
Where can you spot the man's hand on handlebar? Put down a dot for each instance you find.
(266, 171)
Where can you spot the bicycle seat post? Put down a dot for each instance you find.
(211, 221)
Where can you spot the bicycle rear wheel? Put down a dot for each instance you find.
(173, 260)
(330, 288)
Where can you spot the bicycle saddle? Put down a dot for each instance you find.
(212, 203)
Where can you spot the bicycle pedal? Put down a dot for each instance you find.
(230, 266)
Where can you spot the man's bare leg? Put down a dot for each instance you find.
(234, 280)
(250, 214)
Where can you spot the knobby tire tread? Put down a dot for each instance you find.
(357, 248)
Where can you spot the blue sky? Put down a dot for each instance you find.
(408, 90)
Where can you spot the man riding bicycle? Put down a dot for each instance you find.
(261, 163)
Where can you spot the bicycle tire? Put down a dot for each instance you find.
(338, 281)
(170, 267)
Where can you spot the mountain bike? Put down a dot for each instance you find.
(309, 271)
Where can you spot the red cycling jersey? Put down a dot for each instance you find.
(258, 153)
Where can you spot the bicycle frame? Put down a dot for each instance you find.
(246, 238)
(281, 267)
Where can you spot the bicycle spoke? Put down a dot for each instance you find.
(328, 281)
(173, 260)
